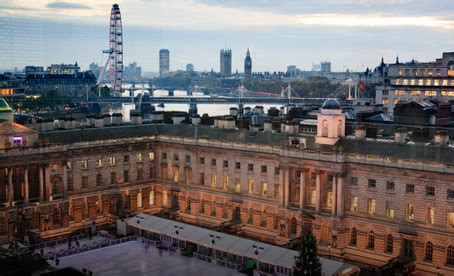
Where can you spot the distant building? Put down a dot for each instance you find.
(6, 113)
(33, 70)
(63, 68)
(226, 62)
(164, 61)
(248, 65)
(189, 67)
(76, 84)
(95, 69)
(132, 72)
(325, 67)
(413, 81)
(292, 71)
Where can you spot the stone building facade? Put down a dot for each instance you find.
(371, 202)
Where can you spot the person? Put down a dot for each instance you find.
(77, 243)
(57, 261)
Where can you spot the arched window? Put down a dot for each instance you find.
(293, 226)
(325, 128)
(389, 243)
(371, 240)
(429, 252)
(450, 256)
(165, 198)
(139, 200)
(151, 198)
(354, 237)
(339, 128)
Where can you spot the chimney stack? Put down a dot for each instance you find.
(441, 137)
(360, 132)
(400, 136)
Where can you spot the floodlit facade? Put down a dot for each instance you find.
(373, 202)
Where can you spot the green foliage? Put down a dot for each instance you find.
(307, 263)
(315, 87)
(94, 91)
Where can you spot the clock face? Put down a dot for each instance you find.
(325, 123)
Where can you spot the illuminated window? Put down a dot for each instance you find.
(151, 197)
(139, 200)
(69, 165)
(354, 207)
(112, 160)
(139, 157)
(83, 164)
(389, 210)
(444, 83)
(415, 93)
(226, 182)
(237, 185)
(264, 188)
(98, 163)
(412, 82)
(450, 219)
(213, 180)
(428, 82)
(165, 198)
(430, 72)
(430, 93)
(313, 197)
(398, 81)
(250, 186)
(329, 199)
(187, 176)
(405, 82)
(371, 206)
(54, 168)
(176, 174)
(151, 155)
(422, 72)
(409, 212)
(436, 82)
(420, 82)
(400, 72)
(430, 215)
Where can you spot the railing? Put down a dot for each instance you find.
(59, 241)
(87, 247)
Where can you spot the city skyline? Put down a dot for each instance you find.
(353, 36)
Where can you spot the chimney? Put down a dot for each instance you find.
(360, 132)
(441, 137)
(117, 119)
(106, 119)
(400, 136)
(98, 121)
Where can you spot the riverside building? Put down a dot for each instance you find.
(372, 202)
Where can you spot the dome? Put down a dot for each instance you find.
(331, 104)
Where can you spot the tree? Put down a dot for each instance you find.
(307, 263)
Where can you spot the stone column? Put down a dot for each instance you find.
(318, 191)
(65, 180)
(340, 195)
(287, 187)
(334, 196)
(281, 185)
(47, 182)
(302, 188)
(41, 183)
(26, 186)
(10, 187)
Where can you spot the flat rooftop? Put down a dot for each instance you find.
(135, 258)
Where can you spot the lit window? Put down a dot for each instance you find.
(264, 188)
(431, 215)
(225, 182)
(412, 82)
(409, 212)
(151, 155)
(112, 160)
(151, 197)
(237, 185)
(444, 83)
(436, 82)
(371, 206)
(389, 209)
(313, 197)
(69, 165)
(176, 174)
(420, 82)
(187, 176)
(428, 82)
(276, 191)
(83, 164)
(400, 72)
(213, 180)
(99, 163)
(164, 198)
(329, 199)
(54, 168)
(139, 200)
(354, 207)
(139, 157)
(450, 219)
(250, 186)
(405, 82)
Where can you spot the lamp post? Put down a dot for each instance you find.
(257, 251)
(213, 241)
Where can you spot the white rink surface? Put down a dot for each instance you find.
(133, 258)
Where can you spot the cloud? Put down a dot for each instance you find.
(67, 6)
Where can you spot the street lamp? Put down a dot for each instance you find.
(213, 241)
(177, 231)
(257, 251)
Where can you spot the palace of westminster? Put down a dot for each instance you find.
(366, 200)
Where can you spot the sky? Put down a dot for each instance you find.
(352, 34)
